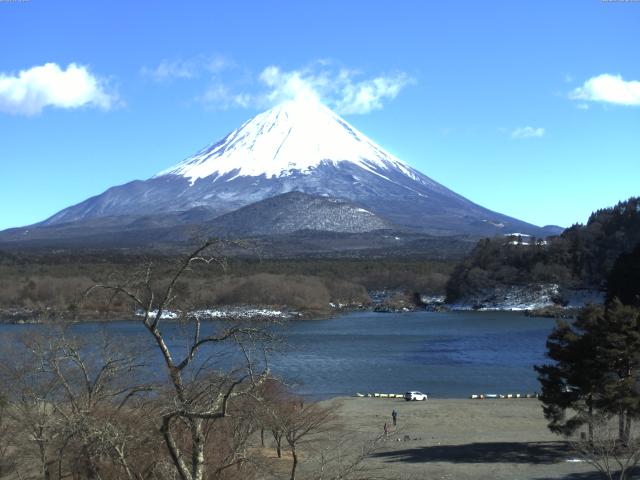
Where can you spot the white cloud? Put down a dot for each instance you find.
(186, 68)
(170, 69)
(608, 89)
(220, 96)
(48, 85)
(362, 97)
(289, 85)
(528, 132)
(341, 89)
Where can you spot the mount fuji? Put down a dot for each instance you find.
(297, 146)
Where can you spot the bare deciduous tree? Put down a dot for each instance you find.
(343, 457)
(67, 401)
(196, 400)
(613, 458)
(301, 422)
(78, 410)
(7, 460)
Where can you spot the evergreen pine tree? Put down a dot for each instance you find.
(624, 280)
(619, 352)
(570, 385)
(596, 370)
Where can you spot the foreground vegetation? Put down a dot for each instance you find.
(100, 409)
(49, 286)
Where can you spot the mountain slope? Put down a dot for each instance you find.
(295, 211)
(305, 147)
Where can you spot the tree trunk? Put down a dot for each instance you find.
(278, 438)
(294, 465)
(627, 430)
(590, 422)
(197, 454)
(262, 437)
(123, 461)
(91, 470)
(174, 452)
(621, 426)
(43, 459)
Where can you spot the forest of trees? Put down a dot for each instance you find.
(49, 285)
(581, 257)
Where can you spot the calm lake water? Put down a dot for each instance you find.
(449, 354)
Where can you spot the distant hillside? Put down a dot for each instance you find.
(295, 211)
(581, 257)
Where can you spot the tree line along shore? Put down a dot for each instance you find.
(49, 285)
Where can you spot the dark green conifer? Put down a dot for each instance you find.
(595, 371)
(619, 352)
(570, 385)
(624, 279)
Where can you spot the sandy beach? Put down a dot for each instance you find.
(459, 439)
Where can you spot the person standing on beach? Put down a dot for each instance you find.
(394, 416)
(386, 429)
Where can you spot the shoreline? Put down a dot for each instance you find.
(487, 397)
(459, 439)
(14, 316)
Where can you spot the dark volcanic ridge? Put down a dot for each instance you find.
(295, 211)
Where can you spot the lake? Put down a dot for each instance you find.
(446, 354)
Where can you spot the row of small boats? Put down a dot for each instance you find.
(493, 396)
(379, 395)
(473, 396)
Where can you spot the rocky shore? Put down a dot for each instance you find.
(242, 312)
(544, 300)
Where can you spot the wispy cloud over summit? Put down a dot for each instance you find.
(344, 90)
(186, 68)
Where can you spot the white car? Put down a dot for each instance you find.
(414, 395)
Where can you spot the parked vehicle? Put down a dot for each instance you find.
(415, 395)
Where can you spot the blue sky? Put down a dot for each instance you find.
(529, 108)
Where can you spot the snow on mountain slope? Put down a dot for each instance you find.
(298, 146)
(294, 136)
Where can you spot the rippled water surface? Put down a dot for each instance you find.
(444, 354)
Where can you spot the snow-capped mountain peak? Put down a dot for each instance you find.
(297, 146)
(295, 136)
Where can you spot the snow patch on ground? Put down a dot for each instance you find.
(513, 298)
(432, 299)
(363, 211)
(229, 312)
(529, 297)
